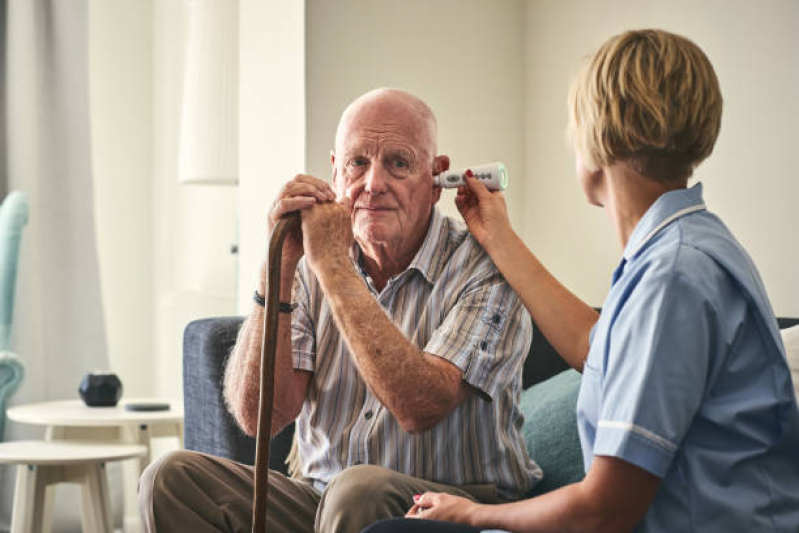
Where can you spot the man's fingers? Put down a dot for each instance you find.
(287, 205)
(297, 188)
(321, 186)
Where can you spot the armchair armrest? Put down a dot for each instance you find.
(11, 373)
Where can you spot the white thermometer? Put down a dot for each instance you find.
(492, 175)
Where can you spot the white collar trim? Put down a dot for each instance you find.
(682, 212)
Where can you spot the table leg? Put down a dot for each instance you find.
(48, 505)
(131, 472)
(29, 498)
(95, 502)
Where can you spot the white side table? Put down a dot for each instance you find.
(71, 419)
(43, 464)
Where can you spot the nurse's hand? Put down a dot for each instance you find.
(484, 212)
(445, 507)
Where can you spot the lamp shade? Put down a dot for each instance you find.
(209, 122)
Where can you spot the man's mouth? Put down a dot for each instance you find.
(374, 207)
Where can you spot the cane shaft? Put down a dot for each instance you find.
(267, 389)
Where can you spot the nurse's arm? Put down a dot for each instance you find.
(614, 496)
(563, 318)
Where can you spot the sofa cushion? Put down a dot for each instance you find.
(550, 430)
(790, 337)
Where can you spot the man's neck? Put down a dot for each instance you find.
(382, 263)
(382, 260)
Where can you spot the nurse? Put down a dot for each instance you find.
(686, 414)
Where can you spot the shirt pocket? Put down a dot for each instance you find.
(492, 321)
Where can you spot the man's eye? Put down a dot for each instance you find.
(401, 163)
(358, 162)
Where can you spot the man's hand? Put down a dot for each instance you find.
(299, 194)
(326, 233)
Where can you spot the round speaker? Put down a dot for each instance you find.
(100, 389)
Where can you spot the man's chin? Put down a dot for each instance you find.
(372, 233)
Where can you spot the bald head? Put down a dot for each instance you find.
(390, 107)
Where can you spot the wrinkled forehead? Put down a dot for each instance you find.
(387, 121)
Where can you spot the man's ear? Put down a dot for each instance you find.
(440, 164)
(333, 167)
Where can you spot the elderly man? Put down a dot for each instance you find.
(399, 351)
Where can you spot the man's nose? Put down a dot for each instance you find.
(376, 177)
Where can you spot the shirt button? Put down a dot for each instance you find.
(368, 415)
(483, 345)
(495, 319)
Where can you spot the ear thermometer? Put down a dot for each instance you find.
(492, 175)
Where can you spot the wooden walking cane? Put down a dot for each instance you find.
(268, 348)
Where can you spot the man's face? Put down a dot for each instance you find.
(384, 165)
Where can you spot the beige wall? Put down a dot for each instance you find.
(751, 180)
(271, 122)
(463, 57)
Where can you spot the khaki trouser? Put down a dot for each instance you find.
(196, 493)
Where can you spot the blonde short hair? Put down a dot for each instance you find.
(650, 98)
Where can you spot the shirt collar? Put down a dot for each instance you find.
(427, 259)
(666, 209)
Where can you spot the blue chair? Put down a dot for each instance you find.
(13, 216)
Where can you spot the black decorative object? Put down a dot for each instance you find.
(100, 389)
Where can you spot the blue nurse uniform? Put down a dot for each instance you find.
(686, 378)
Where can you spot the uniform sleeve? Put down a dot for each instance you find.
(654, 378)
(486, 334)
(303, 337)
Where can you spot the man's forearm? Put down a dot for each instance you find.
(243, 372)
(412, 384)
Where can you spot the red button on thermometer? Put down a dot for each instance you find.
(492, 175)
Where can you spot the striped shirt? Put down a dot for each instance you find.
(451, 302)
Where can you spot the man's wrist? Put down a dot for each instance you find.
(283, 306)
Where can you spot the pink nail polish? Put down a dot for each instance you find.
(416, 497)
(470, 173)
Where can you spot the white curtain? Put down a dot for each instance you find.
(58, 322)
